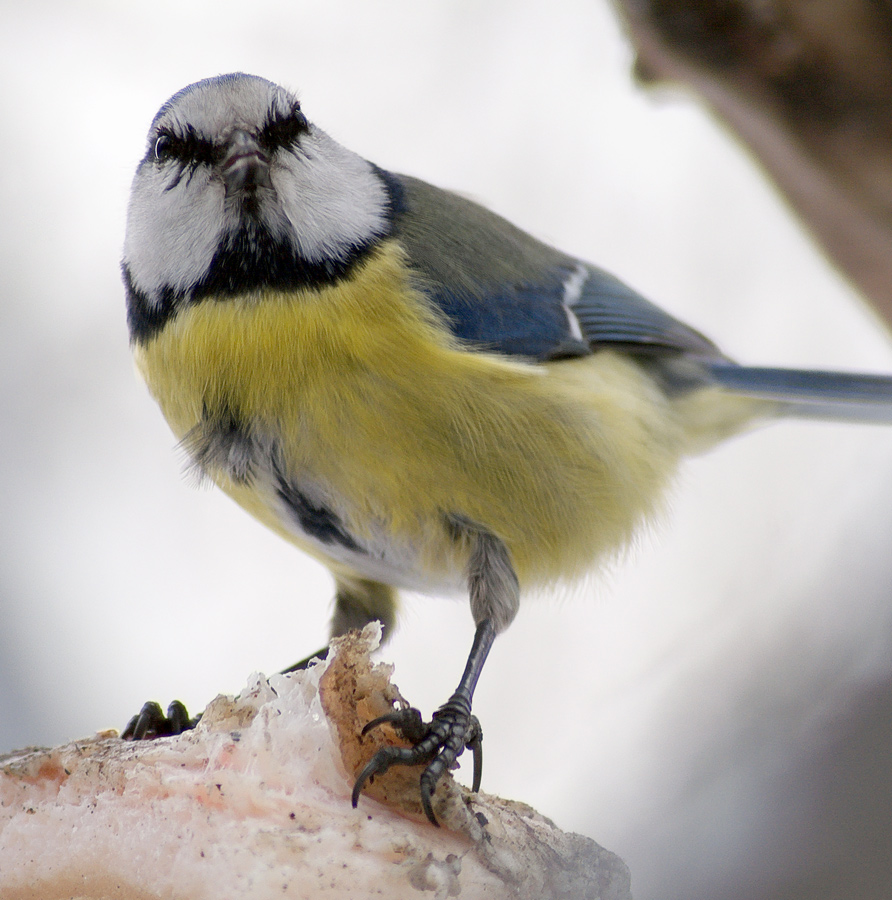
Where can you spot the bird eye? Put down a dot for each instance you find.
(162, 147)
(187, 149)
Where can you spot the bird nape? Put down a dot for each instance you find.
(406, 386)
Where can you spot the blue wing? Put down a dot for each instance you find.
(502, 290)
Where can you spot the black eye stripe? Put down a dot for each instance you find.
(186, 149)
(191, 150)
(282, 130)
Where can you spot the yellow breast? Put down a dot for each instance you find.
(364, 391)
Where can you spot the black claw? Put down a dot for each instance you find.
(130, 729)
(152, 723)
(377, 765)
(438, 743)
(408, 723)
(427, 787)
(178, 718)
(476, 745)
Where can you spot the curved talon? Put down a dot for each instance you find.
(476, 745)
(377, 765)
(407, 721)
(427, 788)
(388, 717)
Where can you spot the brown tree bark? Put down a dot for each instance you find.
(807, 86)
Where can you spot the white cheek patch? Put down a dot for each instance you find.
(173, 229)
(331, 198)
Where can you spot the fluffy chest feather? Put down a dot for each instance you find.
(348, 420)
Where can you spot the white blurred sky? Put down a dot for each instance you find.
(650, 709)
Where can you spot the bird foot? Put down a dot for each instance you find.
(438, 743)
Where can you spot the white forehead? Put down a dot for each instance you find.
(216, 105)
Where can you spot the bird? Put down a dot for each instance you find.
(408, 387)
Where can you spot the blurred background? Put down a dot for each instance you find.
(714, 708)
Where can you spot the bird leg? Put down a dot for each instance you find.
(493, 589)
(358, 601)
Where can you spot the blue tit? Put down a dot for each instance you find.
(406, 386)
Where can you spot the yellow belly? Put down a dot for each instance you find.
(364, 392)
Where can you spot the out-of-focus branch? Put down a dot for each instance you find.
(807, 86)
(255, 803)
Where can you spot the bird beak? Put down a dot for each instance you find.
(245, 166)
